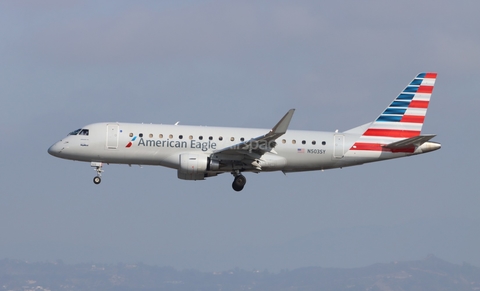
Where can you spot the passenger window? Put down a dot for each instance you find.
(314, 142)
(160, 135)
(232, 138)
(150, 135)
(324, 143)
(294, 141)
(180, 137)
(140, 134)
(130, 135)
(242, 139)
(210, 137)
(304, 142)
(220, 138)
(200, 137)
(170, 136)
(284, 140)
(190, 137)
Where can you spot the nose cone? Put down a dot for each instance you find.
(55, 149)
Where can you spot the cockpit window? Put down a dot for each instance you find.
(83, 132)
(75, 132)
(79, 132)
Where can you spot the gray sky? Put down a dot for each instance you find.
(237, 63)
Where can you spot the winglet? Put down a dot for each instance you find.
(282, 126)
(267, 140)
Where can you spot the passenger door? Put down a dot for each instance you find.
(339, 143)
(112, 136)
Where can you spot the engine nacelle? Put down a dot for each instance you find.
(195, 166)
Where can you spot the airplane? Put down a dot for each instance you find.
(199, 152)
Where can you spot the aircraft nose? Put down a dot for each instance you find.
(55, 149)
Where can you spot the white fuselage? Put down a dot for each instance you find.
(161, 145)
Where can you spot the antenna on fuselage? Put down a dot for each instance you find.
(176, 123)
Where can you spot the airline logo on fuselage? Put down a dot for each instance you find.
(192, 144)
(129, 144)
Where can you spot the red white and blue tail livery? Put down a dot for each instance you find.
(199, 152)
(403, 119)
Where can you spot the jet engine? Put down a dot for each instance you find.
(195, 166)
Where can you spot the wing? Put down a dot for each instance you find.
(253, 149)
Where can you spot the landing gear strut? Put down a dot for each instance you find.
(239, 181)
(98, 169)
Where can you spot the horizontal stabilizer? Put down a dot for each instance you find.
(413, 141)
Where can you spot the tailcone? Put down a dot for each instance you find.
(428, 146)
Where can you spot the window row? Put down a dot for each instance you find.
(220, 138)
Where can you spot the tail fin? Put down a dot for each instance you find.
(404, 117)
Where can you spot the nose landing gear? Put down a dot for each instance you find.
(239, 181)
(97, 180)
(98, 169)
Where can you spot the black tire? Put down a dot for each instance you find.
(237, 187)
(240, 180)
(97, 180)
(239, 183)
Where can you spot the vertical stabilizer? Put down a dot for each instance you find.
(403, 118)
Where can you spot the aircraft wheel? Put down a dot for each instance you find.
(97, 180)
(239, 183)
(236, 187)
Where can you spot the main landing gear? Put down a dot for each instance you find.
(239, 181)
(98, 168)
